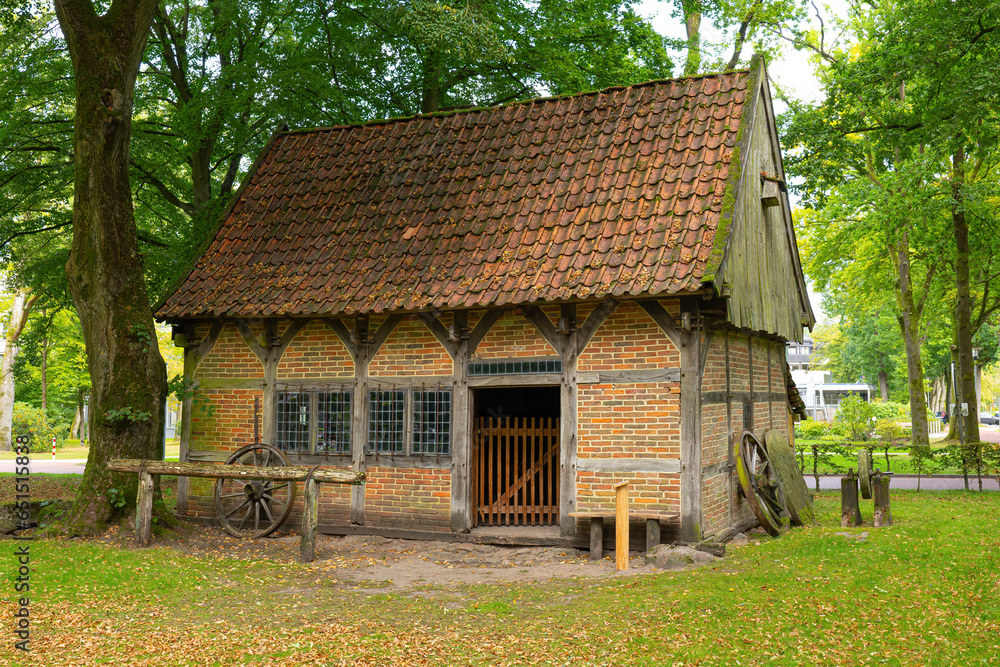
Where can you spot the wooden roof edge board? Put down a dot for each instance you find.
(716, 264)
(554, 98)
(786, 211)
(704, 291)
(280, 128)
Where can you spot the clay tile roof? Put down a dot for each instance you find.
(617, 192)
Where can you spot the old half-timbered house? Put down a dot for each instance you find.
(499, 313)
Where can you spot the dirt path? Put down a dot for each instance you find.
(391, 565)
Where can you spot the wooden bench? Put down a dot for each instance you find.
(597, 519)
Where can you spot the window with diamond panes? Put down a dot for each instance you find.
(431, 422)
(385, 421)
(292, 421)
(333, 428)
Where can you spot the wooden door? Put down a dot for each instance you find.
(516, 472)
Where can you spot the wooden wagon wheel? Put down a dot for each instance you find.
(760, 484)
(865, 472)
(249, 507)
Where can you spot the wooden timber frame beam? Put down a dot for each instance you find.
(460, 342)
(569, 341)
(362, 348)
(193, 356)
(687, 337)
(312, 475)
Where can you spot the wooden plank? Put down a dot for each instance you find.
(652, 534)
(462, 475)
(690, 439)
(631, 376)
(310, 512)
(359, 421)
(483, 327)
(621, 526)
(213, 471)
(143, 508)
(596, 538)
(663, 319)
(230, 383)
(593, 322)
(629, 465)
(544, 326)
(516, 380)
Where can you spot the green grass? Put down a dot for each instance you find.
(925, 591)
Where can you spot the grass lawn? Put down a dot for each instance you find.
(925, 591)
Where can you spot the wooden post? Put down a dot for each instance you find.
(144, 509)
(690, 418)
(359, 418)
(621, 526)
(850, 511)
(652, 533)
(310, 512)
(596, 538)
(883, 512)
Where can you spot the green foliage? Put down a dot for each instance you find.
(29, 420)
(811, 429)
(857, 417)
(116, 497)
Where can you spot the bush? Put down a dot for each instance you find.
(29, 420)
(857, 416)
(811, 429)
(890, 410)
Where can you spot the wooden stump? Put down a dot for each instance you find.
(883, 512)
(310, 516)
(850, 511)
(144, 509)
(621, 526)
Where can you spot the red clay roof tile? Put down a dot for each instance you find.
(615, 192)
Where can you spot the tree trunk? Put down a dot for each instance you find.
(883, 385)
(692, 24)
(105, 271)
(431, 100)
(18, 319)
(45, 372)
(909, 322)
(965, 391)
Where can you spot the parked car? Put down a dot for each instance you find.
(990, 418)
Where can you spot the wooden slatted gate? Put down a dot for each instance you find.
(516, 472)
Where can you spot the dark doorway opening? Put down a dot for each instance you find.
(516, 457)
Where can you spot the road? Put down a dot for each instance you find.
(45, 464)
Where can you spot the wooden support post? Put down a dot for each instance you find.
(883, 512)
(144, 509)
(621, 526)
(596, 538)
(310, 513)
(652, 534)
(850, 511)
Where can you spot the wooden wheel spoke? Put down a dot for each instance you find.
(266, 505)
(237, 508)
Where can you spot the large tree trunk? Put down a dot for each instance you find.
(883, 385)
(45, 372)
(127, 373)
(18, 319)
(909, 322)
(965, 391)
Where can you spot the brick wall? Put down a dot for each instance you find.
(230, 358)
(315, 350)
(648, 491)
(411, 349)
(514, 337)
(629, 420)
(629, 340)
(418, 498)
